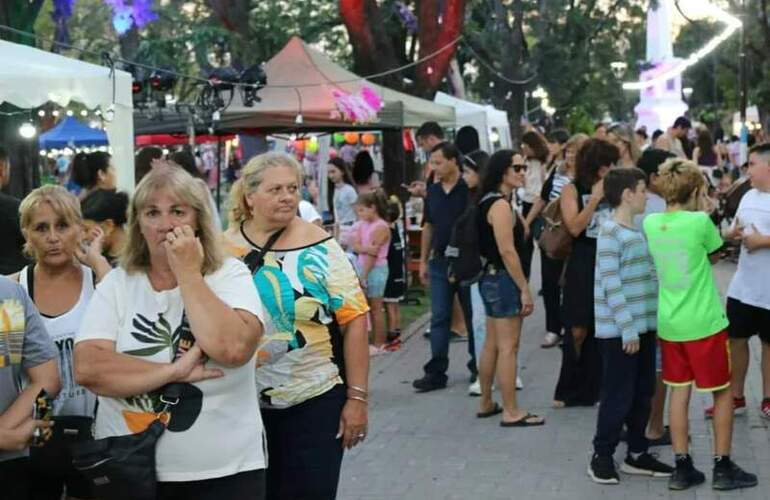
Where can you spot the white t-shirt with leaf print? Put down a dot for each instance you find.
(216, 431)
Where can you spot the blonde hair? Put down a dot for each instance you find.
(678, 179)
(61, 201)
(626, 135)
(135, 256)
(575, 141)
(252, 176)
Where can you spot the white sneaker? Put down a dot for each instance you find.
(550, 340)
(475, 388)
(519, 383)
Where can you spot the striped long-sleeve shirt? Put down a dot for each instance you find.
(625, 284)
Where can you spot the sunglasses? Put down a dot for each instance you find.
(519, 167)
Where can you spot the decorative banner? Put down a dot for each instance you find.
(361, 107)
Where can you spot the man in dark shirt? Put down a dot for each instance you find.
(446, 200)
(11, 257)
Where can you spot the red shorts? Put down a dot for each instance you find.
(706, 362)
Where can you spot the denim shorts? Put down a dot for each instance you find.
(376, 281)
(501, 296)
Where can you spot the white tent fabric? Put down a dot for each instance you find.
(487, 120)
(30, 77)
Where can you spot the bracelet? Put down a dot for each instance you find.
(358, 389)
(359, 398)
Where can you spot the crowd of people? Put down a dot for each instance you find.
(255, 341)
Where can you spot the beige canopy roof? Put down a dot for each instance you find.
(301, 80)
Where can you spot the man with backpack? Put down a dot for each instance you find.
(445, 202)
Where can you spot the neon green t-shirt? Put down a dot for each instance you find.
(689, 306)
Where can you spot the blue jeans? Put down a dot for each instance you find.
(479, 322)
(442, 294)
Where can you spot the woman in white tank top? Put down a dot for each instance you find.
(61, 287)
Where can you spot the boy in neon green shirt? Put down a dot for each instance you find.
(692, 325)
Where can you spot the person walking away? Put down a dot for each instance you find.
(535, 150)
(706, 156)
(395, 288)
(445, 202)
(584, 209)
(504, 288)
(312, 369)
(562, 173)
(93, 171)
(371, 241)
(61, 288)
(26, 349)
(658, 434)
(748, 297)
(625, 307)
(692, 325)
(106, 211)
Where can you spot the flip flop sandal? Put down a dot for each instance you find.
(523, 422)
(491, 413)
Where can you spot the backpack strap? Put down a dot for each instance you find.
(30, 271)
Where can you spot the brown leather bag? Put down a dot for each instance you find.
(555, 240)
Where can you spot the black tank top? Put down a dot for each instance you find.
(487, 244)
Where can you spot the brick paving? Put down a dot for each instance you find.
(431, 446)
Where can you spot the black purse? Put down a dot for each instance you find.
(123, 467)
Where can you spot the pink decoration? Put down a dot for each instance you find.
(361, 107)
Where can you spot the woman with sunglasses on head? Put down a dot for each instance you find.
(583, 209)
(504, 288)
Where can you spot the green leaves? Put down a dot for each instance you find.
(157, 334)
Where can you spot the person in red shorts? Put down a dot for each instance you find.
(692, 325)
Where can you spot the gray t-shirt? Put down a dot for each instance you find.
(24, 344)
(344, 200)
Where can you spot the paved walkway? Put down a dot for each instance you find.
(431, 446)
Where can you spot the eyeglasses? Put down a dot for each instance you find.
(520, 168)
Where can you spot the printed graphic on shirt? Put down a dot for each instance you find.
(602, 214)
(12, 324)
(157, 336)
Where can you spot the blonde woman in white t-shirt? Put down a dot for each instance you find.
(175, 285)
(61, 288)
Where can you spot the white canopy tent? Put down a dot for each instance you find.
(30, 77)
(487, 120)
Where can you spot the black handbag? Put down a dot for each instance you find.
(123, 467)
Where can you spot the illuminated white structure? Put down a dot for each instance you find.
(660, 100)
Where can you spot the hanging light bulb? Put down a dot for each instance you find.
(55, 113)
(83, 113)
(41, 113)
(70, 112)
(27, 130)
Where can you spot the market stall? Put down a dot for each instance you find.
(30, 78)
(491, 123)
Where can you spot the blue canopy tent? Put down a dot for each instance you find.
(70, 133)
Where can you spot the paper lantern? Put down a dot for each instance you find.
(299, 146)
(311, 146)
(368, 139)
(339, 137)
(351, 137)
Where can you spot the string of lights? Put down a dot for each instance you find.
(708, 9)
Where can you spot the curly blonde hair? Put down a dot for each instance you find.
(678, 179)
(61, 201)
(135, 256)
(251, 177)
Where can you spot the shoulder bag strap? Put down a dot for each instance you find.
(255, 260)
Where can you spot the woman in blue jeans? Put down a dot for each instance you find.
(504, 288)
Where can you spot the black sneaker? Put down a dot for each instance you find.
(685, 476)
(647, 464)
(732, 477)
(602, 470)
(428, 383)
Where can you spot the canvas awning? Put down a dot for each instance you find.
(70, 133)
(30, 77)
(301, 80)
(486, 119)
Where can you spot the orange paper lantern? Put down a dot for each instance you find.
(351, 137)
(368, 139)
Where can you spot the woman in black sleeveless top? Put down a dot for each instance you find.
(583, 209)
(504, 288)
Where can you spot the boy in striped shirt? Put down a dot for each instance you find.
(625, 309)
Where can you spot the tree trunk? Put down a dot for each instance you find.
(440, 23)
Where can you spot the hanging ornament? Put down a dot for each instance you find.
(351, 138)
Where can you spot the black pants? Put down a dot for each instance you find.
(249, 485)
(14, 478)
(551, 271)
(528, 248)
(628, 385)
(580, 376)
(304, 454)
